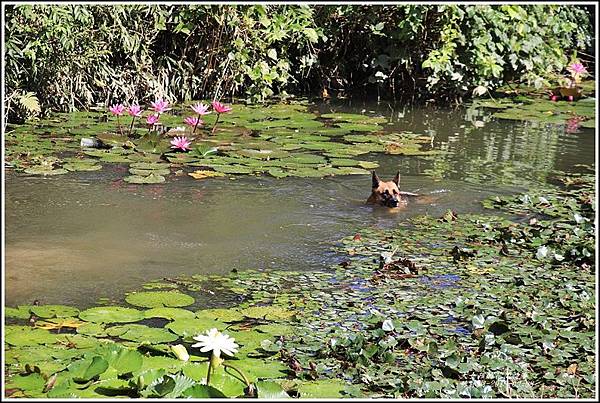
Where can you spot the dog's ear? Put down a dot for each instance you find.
(375, 179)
(396, 179)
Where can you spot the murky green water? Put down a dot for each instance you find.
(74, 238)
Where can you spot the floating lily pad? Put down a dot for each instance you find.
(141, 334)
(111, 314)
(154, 299)
(322, 389)
(92, 329)
(146, 172)
(202, 174)
(220, 314)
(193, 327)
(267, 312)
(169, 313)
(44, 170)
(149, 179)
(21, 312)
(28, 336)
(52, 311)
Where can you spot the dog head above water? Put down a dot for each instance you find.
(386, 193)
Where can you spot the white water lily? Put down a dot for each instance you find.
(387, 325)
(216, 342)
(542, 252)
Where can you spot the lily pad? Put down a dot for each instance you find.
(111, 314)
(154, 299)
(141, 334)
(193, 327)
(54, 311)
(169, 313)
(149, 179)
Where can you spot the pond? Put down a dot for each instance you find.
(73, 239)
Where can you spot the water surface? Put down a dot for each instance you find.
(74, 238)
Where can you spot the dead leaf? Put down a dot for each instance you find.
(205, 174)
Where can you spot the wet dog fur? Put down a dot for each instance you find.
(386, 193)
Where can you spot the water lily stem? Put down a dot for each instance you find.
(120, 127)
(210, 364)
(196, 125)
(131, 126)
(246, 380)
(216, 121)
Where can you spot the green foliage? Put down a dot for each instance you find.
(75, 56)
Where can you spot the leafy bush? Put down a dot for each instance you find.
(75, 56)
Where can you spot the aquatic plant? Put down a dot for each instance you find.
(135, 112)
(118, 110)
(219, 108)
(193, 121)
(160, 106)
(201, 109)
(578, 71)
(152, 119)
(181, 143)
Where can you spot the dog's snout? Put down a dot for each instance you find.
(393, 202)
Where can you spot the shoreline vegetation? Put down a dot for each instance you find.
(63, 58)
(501, 306)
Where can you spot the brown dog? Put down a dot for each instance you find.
(388, 193)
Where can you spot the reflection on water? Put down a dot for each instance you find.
(73, 239)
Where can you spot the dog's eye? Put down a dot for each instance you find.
(386, 192)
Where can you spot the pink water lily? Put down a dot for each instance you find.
(221, 108)
(193, 121)
(117, 109)
(135, 111)
(577, 68)
(160, 106)
(200, 109)
(181, 143)
(152, 119)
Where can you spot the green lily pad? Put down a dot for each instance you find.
(149, 166)
(92, 329)
(141, 333)
(202, 392)
(220, 314)
(270, 390)
(149, 179)
(74, 166)
(88, 368)
(193, 327)
(28, 336)
(321, 389)
(111, 314)
(54, 311)
(169, 313)
(146, 172)
(21, 312)
(44, 170)
(123, 360)
(155, 299)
